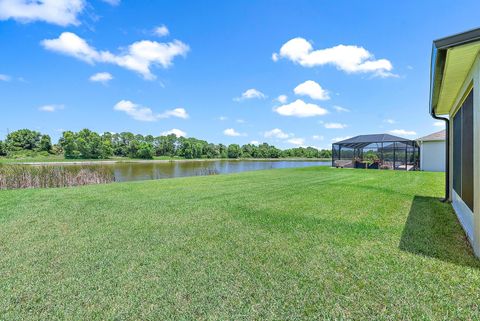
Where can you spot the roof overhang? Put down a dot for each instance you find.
(452, 59)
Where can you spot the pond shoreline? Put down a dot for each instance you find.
(148, 161)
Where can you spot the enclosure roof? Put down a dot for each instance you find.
(374, 138)
(438, 136)
(452, 59)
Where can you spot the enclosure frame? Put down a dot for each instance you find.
(378, 151)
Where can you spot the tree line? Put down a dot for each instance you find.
(87, 144)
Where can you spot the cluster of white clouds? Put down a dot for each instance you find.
(296, 141)
(177, 132)
(251, 93)
(348, 58)
(439, 124)
(101, 77)
(282, 99)
(402, 132)
(141, 113)
(161, 31)
(341, 109)
(311, 89)
(51, 108)
(58, 12)
(277, 133)
(233, 133)
(301, 109)
(139, 57)
(335, 126)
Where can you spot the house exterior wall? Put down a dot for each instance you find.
(470, 220)
(432, 156)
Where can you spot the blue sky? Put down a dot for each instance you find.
(215, 69)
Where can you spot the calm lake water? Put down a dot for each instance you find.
(124, 172)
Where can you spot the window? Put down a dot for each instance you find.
(463, 151)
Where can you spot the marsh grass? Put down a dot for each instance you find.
(27, 176)
(207, 171)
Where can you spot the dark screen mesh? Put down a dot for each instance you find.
(467, 151)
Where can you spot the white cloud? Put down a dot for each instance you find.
(282, 99)
(439, 123)
(112, 2)
(403, 132)
(4, 77)
(335, 126)
(348, 58)
(299, 108)
(222, 118)
(139, 57)
(255, 142)
(232, 132)
(135, 111)
(176, 131)
(59, 12)
(390, 121)
(240, 121)
(102, 77)
(161, 31)
(311, 89)
(276, 133)
(177, 112)
(50, 108)
(337, 139)
(251, 94)
(296, 141)
(140, 113)
(341, 109)
(318, 137)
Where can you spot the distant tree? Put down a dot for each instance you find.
(86, 144)
(68, 144)
(23, 139)
(45, 144)
(223, 151)
(145, 151)
(57, 149)
(234, 151)
(132, 149)
(325, 153)
(211, 151)
(3, 149)
(149, 139)
(249, 150)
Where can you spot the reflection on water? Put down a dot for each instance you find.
(124, 172)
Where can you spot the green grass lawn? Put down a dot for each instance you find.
(309, 243)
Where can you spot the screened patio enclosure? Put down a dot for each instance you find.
(379, 151)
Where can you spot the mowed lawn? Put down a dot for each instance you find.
(309, 243)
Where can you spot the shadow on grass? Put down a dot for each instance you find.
(432, 230)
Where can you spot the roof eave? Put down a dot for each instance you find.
(439, 54)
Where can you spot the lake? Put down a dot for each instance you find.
(136, 171)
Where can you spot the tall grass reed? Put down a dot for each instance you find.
(29, 176)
